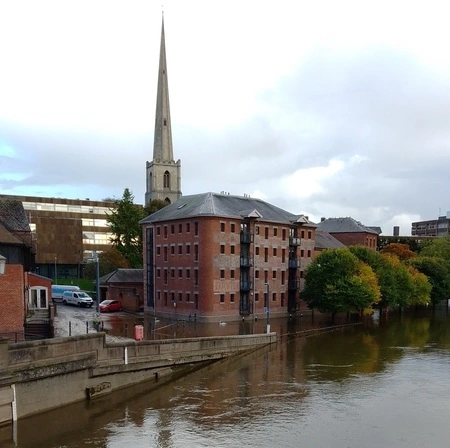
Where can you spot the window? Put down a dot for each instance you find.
(283, 255)
(188, 227)
(274, 251)
(303, 234)
(283, 233)
(232, 298)
(282, 299)
(222, 248)
(275, 231)
(222, 298)
(180, 273)
(257, 250)
(266, 233)
(266, 276)
(222, 227)
(158, 250)
(188, 249)
(165, 253)
(188, 297)
(172, 250)
(302, 253)
(309, 234)
(232, 250)
(196, 277)
(222, 273)
(232, 227)
(196, 252)
(188, 273)
(158, 273)
(166, 180)
(257, 230)
(301, 274)
(172, 272)
(196, 228)
(256, 297)
(266, 254)
(180, 228)
(172, 229)
(180, 297)
(166, 275)
(274, 297)
(172, 295)
(165, 231)
(274, 274)
(180, 249)
(257, 274)
(283, 277)
(232, 273)
(309, 253)
(158, 230)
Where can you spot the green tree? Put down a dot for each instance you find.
(109, 261)
(337, 281)
(403, 280)
(385, 272)
(422, 287)
(436, 269)
(154, 206)
(124, 224)
(436, 247)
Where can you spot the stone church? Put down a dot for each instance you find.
(163, 173)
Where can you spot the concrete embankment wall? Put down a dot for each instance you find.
(41, 375)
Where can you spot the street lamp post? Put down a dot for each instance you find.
(97, 284)
(56, 272)
(267, 300)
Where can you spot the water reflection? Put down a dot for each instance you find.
(359, 386)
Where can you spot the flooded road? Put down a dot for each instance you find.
(382, 384)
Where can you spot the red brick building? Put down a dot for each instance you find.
(214, 257)
(350, 232)
(125, 285)
(21, 292)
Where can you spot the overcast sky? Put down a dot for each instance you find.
(319, 107)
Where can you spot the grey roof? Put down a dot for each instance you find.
(324, 240)
(123, 276)
(224, 205)
(343, 225)
(14, 226)
(376, 229)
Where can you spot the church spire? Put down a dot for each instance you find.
(163, 173)
(162, 145)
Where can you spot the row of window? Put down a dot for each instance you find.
(66, 207)
(190, 297)
(186, 225)
(232, 274)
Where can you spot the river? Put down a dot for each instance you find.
(384, 383)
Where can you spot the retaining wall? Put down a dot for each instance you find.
(40, 375)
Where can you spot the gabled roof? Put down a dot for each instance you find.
(14, 226)
(376, 229)
(343, 225)
(123, 276)
(324, 240)
(227, 206)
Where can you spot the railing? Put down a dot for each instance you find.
(294, 241)
(246, 237)
(246, 285)
(294, 284)
(246, 262)
(294, 263)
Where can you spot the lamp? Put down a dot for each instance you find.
(2, 264)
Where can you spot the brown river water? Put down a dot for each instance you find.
(383, 383)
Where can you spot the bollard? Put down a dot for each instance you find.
(126, 329)
(87, 327)
(70, 328)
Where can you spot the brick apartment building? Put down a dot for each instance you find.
(350, 232)
(215, 257)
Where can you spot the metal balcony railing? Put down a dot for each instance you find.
(246, 237)
(246, 262)
(294, 241)
(294, 263)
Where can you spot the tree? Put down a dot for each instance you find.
(124, 224)
(337, 281)
(154, 206)
(402, 251)
(422, 287)
(403, 280)
(436, 247)
(436, 270)
(109, 261)
(385, 272)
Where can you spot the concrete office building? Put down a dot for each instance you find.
(214, 257)
(432, 227)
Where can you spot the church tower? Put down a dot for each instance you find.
(163, 173)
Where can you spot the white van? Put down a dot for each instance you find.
(59, 290)
(79, 298)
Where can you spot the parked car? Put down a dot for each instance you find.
(59, 290)
(110, 305)
(79, 298)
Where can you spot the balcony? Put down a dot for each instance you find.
(246, 237)
(293, 284)
(246, 262)
(294, 241)
(294, 263)
(246, 285)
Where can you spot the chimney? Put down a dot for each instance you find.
(396, 231)
(322, 219)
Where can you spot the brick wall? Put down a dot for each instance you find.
(12, 312)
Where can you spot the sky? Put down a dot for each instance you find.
(330, 109)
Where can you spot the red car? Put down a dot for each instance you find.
(110, 305)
